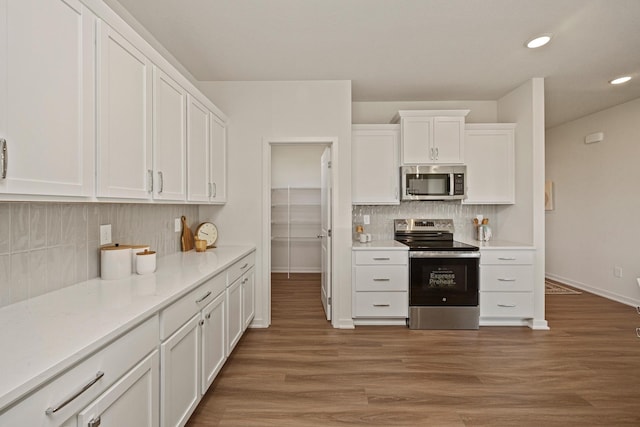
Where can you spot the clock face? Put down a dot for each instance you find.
(207, 231)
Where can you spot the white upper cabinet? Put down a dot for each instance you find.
(198, 146)
(47, 87)
(490, 163)
(124, 118)
(218, 156)
(431, 137)
(206, 147)
(169, 138)
(374, 164)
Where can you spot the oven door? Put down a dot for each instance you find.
(443, 278)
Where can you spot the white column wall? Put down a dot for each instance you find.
(260, 111)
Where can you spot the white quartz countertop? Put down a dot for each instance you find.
(380, 245)
(43, 336)
(498, 244)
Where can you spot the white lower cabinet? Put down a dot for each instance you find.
(119, 380)
(380, 286)
(234, 307)
(189, 353)
(213, 340)
(133, 400)
(506, 286)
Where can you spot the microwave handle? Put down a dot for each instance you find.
(451, 184)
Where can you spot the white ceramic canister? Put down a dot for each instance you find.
(145, 262)
(115, 262)
(134, 250)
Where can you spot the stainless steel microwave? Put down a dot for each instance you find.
(433, 182)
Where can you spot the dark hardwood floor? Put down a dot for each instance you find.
(585, 371)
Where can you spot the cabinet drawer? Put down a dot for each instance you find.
(381, 278)
(381, 304)
(506, 257)
(113, 361)
(381, 257)
(506, 278)
(177, 314)
(240, 267)
(506, 304)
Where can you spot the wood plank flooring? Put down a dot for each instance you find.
(301, 372)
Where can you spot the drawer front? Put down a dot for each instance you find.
(506, 278)
(240, 267)
(113, 361)
(381, 278)
(506, 304)
(381, 257)
(178, 313)
(507, 257)
(381, 304)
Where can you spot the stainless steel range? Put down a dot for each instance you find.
(443, 275)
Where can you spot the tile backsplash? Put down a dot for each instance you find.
(381, 226)
(47, 246)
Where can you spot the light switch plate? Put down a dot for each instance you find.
(177, 225)
(366, 219)
(105, 234)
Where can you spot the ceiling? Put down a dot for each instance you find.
(411, 50)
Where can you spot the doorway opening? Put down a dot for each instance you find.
(297, 208)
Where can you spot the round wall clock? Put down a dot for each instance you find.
(209, 232)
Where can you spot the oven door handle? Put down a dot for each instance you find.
(443, 254)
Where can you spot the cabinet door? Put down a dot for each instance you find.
(124, 118)
(213, 341)
(180, 374)
(198, 146)
(169, 138)
(248, 297)
(490, 165)
(374, 167)
(218, 160)
(47, 101)
(234, 315)
(417, 137)
(448, 139)
(133, 400)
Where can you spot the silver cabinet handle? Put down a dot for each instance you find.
(204, 297)
(382, 259)
(507, 259)
(431, 154)
(215, 190)
(201, 323)
(150, 180)
(245, 280)
(381, 305)
(506, 305)
(437, 153)
(4, 154)
(381, 280)
(52, 410)
(210, 189)
(208, 316)
(506, 280)
(95, 422)
(244, 266)
(161, 182)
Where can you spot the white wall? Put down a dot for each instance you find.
(272, 110)
(594, 225)
(524, 221)
(383, 112)
(295, 166)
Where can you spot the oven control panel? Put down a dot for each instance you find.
(424, 225)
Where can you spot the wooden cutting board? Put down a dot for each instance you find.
(187, 236)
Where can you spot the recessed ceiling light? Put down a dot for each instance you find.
(620, 80)
(539, 41)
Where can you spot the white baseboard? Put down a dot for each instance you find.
(593, 290)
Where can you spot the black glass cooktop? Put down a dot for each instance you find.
(446, 245)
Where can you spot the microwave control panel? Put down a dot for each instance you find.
(458, 183)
